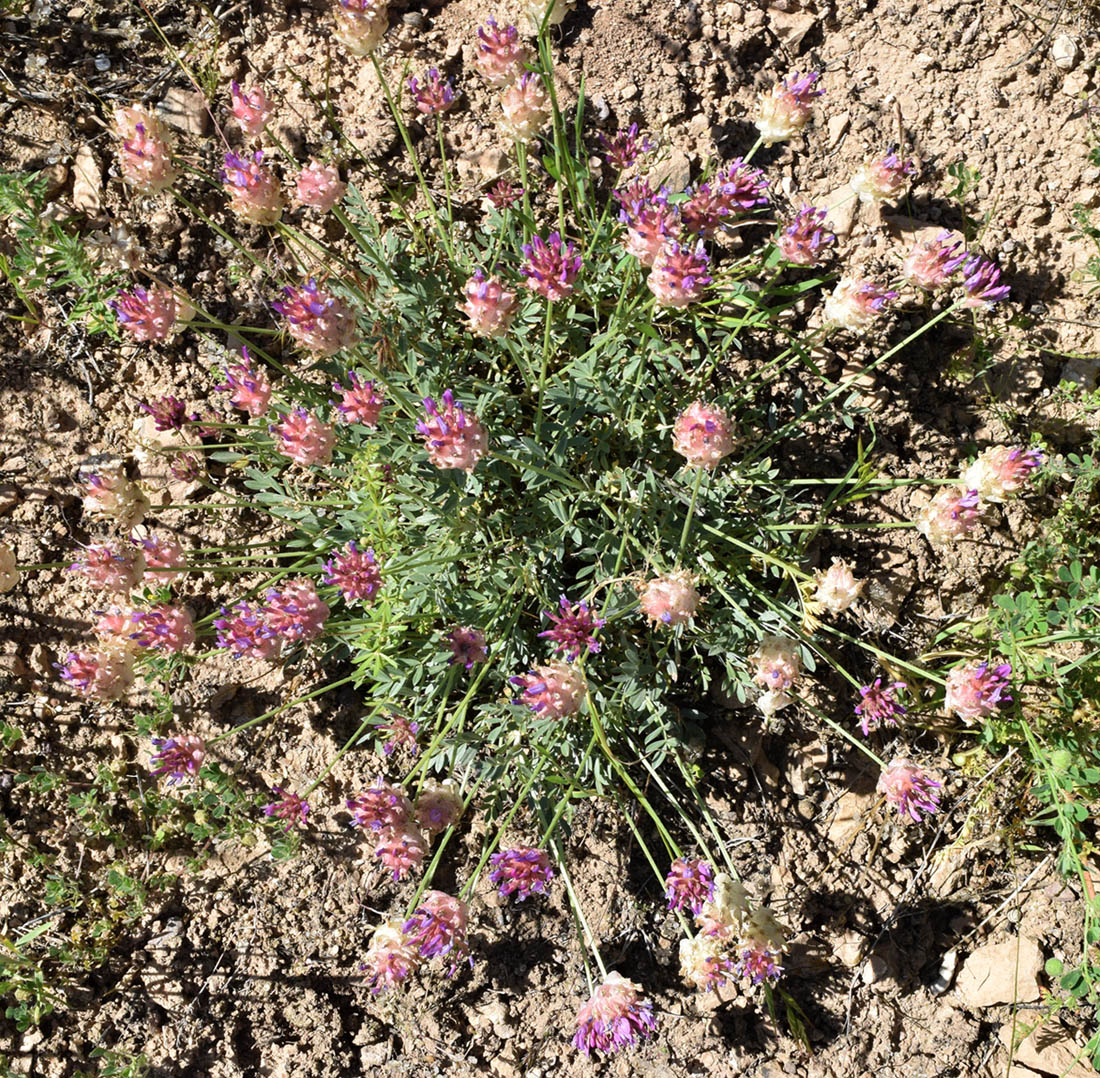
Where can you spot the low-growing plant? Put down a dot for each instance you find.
(535, 467)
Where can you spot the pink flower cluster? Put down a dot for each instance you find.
(145, 156)
(291, 615)
(703, 435)
(319, 186)
(555, 691)
(882, 178)
(573, 629)
(670, 599)
(786, 108)
(489, 306)
(433, 95)
(521, 872)
(452, 438)
(303, 438)
(910, 789)
(253, 191)
(501, 55)
(526, 108)
(975, 691)
(152, 314)
(778, 667)
(317, 320)
(249, 389)
(251, 109)
(354, 573)
(616, 1016)
(385, 811)
(111, 495)
(552, 266)
(360, 402)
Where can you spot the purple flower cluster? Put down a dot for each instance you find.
(434, 95)
(574, 629)
(552, 266)
(521, 872)
(878, 704)
(805, 240)
(689, 884)
(467, 645)
(289, 807)
(623, 148)
(178, 758)
(355, 573)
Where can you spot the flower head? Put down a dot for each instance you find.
(503, 194)
(401, 733)
(251, 108)
(785, 109)
(670, 599)
(982, 283)
(623, 148)
(761, 945)
(777, 668)
(953, 513)
(244, 630)
(401, 849)
(501, 55)
(9, 574)
(164, 628)
(104, 674)
(521, 872)
(167, 412)
(110, 495)
(319, 186)
(438, 927)
(467, 646)
(359, 402)
(361, 25)
(703, 435)
(433, 95)
(616, 1016)
(689, 883)
(882, 178)
(177, 757)
(804, 239)
(355, 573)
(855, 303)
(145, 156)
(110, 567)
(554, 691)
(381, 807)
(1002, 471)
(930, 264)
(978, 690)
(316, 319)
(289, 807)
(253, 191)
(878, 704)
(389, 959)
(574, 629)
(452, 438)
(152, 314)
(303, 438)
(552, 266)
(704, 963)
(679, 275)
(489, 306)
(910, 789)
(249, 389)
(650, 221)
(438, 806)
(525, 107)
(295, 612)
(837, 587)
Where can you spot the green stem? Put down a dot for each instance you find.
(690, 514)
(542, 370)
